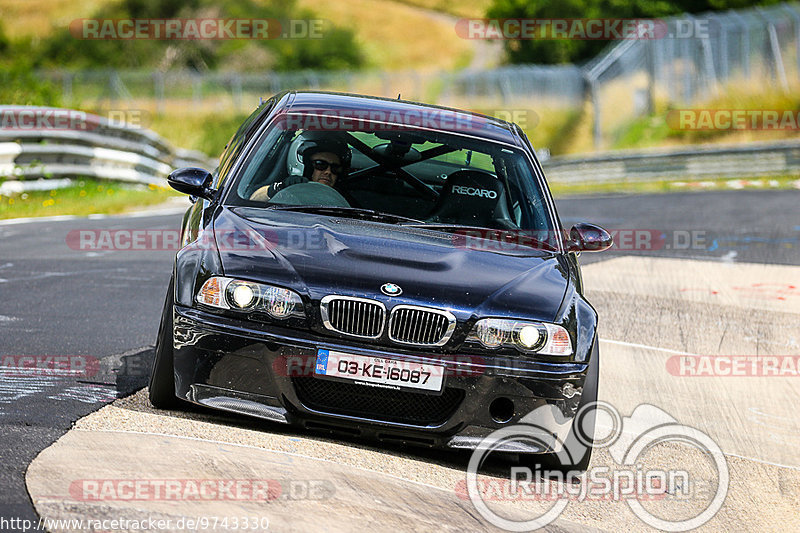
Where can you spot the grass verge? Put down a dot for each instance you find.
(464, 8)
(85, 197)
(655, 130)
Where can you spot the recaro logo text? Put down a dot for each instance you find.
(470, 191)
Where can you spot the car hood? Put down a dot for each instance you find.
(320, 255)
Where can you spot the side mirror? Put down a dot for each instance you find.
(192, 181)
(584, 237)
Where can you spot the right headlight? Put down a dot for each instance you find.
(527, 337)
(239, 295)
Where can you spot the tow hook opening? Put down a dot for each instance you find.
(501, 410)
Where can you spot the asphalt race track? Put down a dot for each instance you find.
(711, 274)
(62, 302)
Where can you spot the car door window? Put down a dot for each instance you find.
(239, 139)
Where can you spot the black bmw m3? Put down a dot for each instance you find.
(379, 268)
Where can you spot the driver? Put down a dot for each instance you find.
(323, 159)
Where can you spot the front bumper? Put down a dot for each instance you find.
(258, 369)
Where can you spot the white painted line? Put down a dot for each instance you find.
(87, 394)
(157, 212)
(25, 220)
(789, 467)
(637, 434)
(645, 346)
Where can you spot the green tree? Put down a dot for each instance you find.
(337, 47)
(576, 51)
(20, 86)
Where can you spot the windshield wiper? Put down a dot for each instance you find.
(349, 212)
(505, 238)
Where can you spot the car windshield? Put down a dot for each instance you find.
(410, 176)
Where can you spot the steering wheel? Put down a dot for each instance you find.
(310, 193)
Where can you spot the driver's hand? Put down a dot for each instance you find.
(262, 194)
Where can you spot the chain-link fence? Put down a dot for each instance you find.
(697, 58)
(559, 85)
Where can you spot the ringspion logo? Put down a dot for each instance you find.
(628, 440)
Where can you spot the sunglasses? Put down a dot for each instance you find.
(321, 164)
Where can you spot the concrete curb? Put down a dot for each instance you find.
(91, 475)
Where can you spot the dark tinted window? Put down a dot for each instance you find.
(437, 178)
(236, 144)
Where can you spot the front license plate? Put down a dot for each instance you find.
(379, 371)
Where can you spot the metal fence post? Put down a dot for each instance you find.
(688, 66)
(673, 70)
(591, 90)
(744, 43)
(796, 25)
(236, 86)
(67, 86)
(158, 91)
(776, 55)
(724, 72)
(775, 50)
(650, 67)
(708, 60)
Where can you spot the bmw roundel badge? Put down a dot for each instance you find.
(390, 289)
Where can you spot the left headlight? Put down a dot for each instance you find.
(527, 337)
(239, 295)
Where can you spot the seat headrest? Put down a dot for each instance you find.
(469, 197)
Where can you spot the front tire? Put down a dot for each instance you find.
(581, 435)
(162, 378)
(577, 446)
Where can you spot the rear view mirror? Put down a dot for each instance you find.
(192, 181)
(584, 237)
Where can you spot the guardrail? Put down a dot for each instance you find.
(38, 142)
(686, 163)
